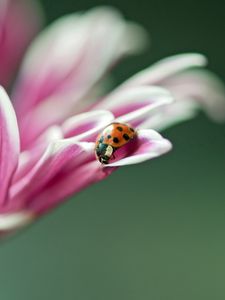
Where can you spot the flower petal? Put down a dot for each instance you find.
(77, 44)
(9, 144)
(59, 157)
(51, 134)
(201, 86)
(65, 168)
(71, 183)
(19, 22)
(29, 158)
(149, 144)
(86, 126)
(167, 116)
(135, 105)
(165, 68)
(13, 221)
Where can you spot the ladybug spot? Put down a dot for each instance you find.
(109, 136)
(119, 128)
(126, 137)
(131, 129)
(115, 140)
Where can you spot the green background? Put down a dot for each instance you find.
(162, 236)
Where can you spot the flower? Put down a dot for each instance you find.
(47, 142)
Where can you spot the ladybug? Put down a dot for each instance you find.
(114, 136)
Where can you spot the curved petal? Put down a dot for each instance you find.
(51, 134)
(135, 105)
(165, 68)
(77, 44)
(170, 115)
(29, 158)
(64, 169)
(86, 126)
(9, 144)
(201, 86)
(148, 144)
(58, 159)
(19, 22)
(14, 221)
(71, 183)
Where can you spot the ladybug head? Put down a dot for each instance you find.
(104, 153)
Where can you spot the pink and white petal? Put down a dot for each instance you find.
(145, 114)
(165, 68)
(60, 157)
(148, 145)
(135, 105)
(28, 158)
(203, 87)
(51, 134)
(167, 116)
(19, 22)
(9, 144)
(77, 44)
(86, 126)
(64, 187)
(35, 123)
(126, 101)
(13, 221)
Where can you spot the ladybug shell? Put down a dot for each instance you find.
(111, 138)
(116, 135)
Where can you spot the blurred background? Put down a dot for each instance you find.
(163, 236)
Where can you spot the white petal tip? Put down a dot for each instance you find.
(13, 221)
(195, 59)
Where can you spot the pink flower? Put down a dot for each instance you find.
(47, 146)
